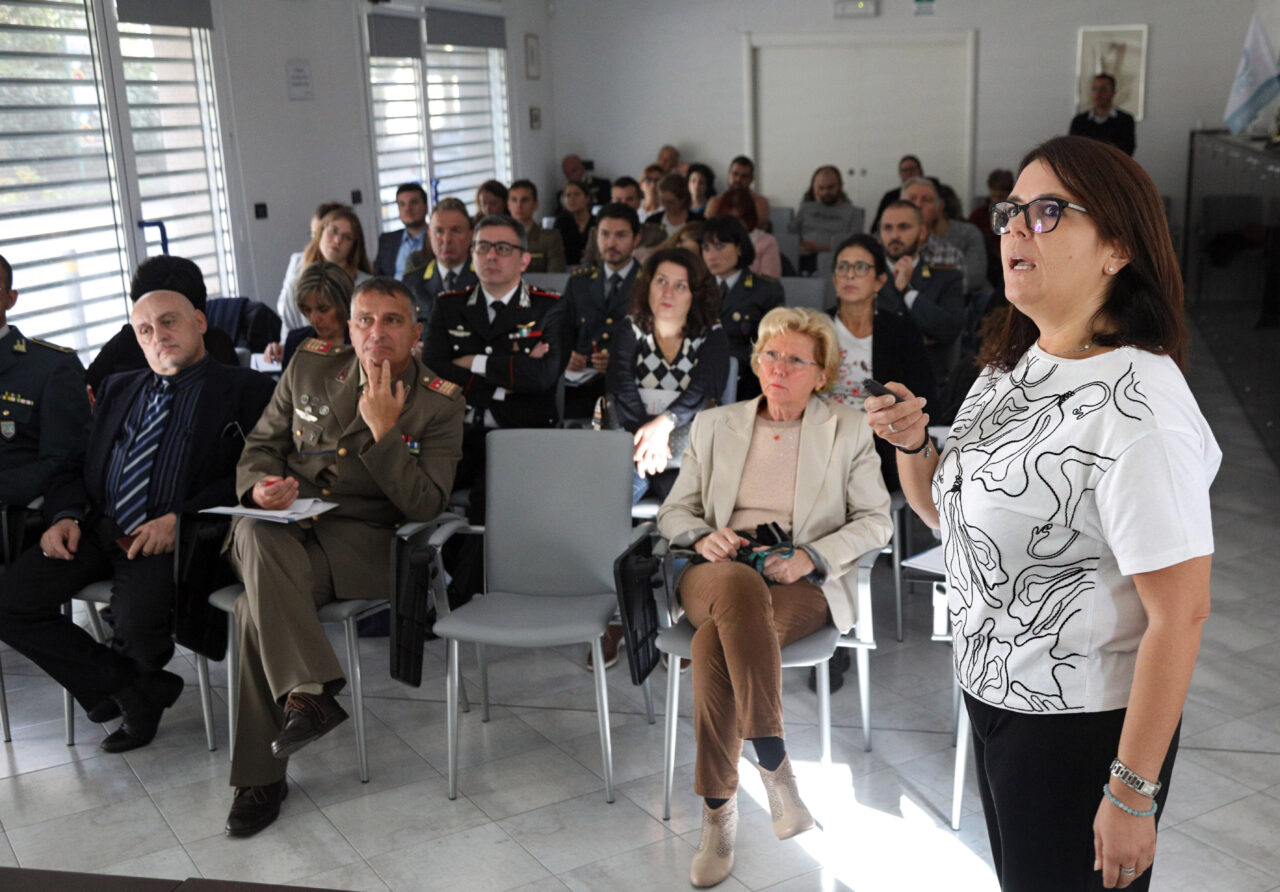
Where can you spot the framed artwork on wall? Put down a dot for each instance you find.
(1117, 50)
(532, 57)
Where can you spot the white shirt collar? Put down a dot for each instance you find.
(506, 298)
(4, 332)
(1111, 113)
(731, 280)
(609, 272)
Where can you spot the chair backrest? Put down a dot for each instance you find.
(804, 291)
(730, 394)
(780, 218)
(548, 281)
(557, 510)
(225, 313)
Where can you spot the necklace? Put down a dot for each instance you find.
(1089, 346)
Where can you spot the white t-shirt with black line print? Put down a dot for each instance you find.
(1060, 480)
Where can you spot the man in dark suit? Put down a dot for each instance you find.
(395, 247)
(163, 442)
(1104, 121)
(44, 410)
(164, 272)
(932, 295)
(499, 341)
(451, 268)
(596, 297)
(575, 171)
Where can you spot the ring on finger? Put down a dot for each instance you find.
(892, 429)
(1128, 871)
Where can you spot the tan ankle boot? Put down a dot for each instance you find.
(713, 862)
(789, 813)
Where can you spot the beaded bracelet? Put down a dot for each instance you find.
(1106, 788)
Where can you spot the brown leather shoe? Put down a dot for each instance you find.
(307, 717)
(254, 808)
(612, 641)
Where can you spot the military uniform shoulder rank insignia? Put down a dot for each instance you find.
(315, 345)
(58, 347)
(10, 396)
(442, 385)
(544, 292)
(415, 448)
(584, 271)
(768, 280)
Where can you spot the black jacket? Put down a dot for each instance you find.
(426, 283)
(231, 399)
(460, 326)
(589, 318)
(708, 376)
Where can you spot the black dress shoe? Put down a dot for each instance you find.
(105, 711)
(254, 808)
(835, 677)
(307, 717)
(142, 704)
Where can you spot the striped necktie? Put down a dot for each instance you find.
(135, 475)
(451, 281)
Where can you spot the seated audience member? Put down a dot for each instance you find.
(491, 198)
(383, 445)
(744, 296)
(625, 190)
(575, 171)
(545, 246)
(501, 343)
(595, 298)
(295, 263)
(932, 296)
(652, 203)
(999, 185)
(324, 298)
(748, 468)
(164, 272)
(674, 194)
(874, 342)
(341, 241)
(395, 247)
(163, 442)
(1103, 121)
(46, 410)
(688, 236)
(959, 234)
(670, 359)
(451, 268)
(825, 217)
(909, 166)
(742, 173)
(736, 202)
(668, 159)
(702, 185)
(574, 223)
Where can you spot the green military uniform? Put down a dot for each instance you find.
(44, 414)
(546, 250)
(312, 431)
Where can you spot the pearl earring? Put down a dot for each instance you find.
(1111, 269)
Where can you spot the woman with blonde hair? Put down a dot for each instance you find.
(798, 477)
(340, 240)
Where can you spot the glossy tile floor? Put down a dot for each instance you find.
(532, 815)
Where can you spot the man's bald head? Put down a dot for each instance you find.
(170, 331)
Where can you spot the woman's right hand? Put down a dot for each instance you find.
(722, 545)
(904, 423)
(273, 352)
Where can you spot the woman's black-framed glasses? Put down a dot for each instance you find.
(1042, 215)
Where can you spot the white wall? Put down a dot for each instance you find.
(291, 155)
(672, 71)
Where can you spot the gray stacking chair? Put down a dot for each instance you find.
(548, 571)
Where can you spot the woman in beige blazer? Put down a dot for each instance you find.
(787, 460)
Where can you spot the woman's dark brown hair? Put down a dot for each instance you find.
(737, 202)
(704, 309)
(1143, 306)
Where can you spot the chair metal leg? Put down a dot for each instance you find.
(864, 694)
(823, 683)
(69, 704)
(206, 700)
(451, 716)
(233, 681)
(957, 709)
(602, 716)
(669, 734)
(462, 687)
(4, 710)
(357, 694)
(896, 543)
(648, 701)
(95, 623)
(962, 759)
(484, 682)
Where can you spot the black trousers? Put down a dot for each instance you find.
(34, 588)
(1041, 779)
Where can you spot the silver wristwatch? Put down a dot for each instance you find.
(1135, 782)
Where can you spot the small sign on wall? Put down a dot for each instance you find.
(924, 7)
(535, 117)
(298, 77)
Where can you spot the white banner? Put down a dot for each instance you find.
(1257, 80)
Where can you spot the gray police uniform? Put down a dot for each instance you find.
(312, 430)
(44, 414)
